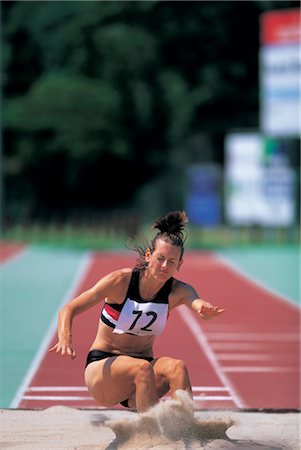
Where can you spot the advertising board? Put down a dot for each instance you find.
(260, 184)
(279, 66)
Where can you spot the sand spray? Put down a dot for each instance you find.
(168, 425)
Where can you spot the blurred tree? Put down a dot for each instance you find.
(104, 94)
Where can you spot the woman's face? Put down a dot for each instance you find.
(164, 261)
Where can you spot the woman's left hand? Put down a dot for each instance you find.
(207, 311)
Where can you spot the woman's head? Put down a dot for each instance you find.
(170, 231)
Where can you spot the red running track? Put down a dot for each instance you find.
(247, 358)
(9, 250)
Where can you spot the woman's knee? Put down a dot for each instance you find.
(173, 367)
(179, 366)
(144, 373)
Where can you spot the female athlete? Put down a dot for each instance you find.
(121, 366)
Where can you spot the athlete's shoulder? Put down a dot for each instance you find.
(181, 292)
(113, 286)
(181, 285)
(120, 275)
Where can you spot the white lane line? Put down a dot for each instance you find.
(212, 398)
(259, 369)
(57, 389)
(243, 357)
(85, 389)
(68, 398)
(72, 398)
(279, 337)
(78, 276)
(88, 398)
(238, 346)
(194, 326)
(209, 388)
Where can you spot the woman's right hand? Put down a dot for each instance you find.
(64, 346)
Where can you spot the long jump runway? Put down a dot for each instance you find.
(249, 357)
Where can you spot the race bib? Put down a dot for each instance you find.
(142, 319)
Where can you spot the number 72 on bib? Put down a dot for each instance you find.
(142, 319)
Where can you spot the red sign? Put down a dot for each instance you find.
(281, 27)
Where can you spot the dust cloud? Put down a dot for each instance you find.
(168, 425)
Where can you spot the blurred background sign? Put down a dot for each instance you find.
(279, 183)
(203, 200)
(243, 178)
(280, 72)
(260, 184)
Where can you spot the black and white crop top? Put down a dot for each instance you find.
(135, 315)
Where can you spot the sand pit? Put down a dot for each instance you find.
(171, 425)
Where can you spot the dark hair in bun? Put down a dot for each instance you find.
(172, 224)
(170, 229)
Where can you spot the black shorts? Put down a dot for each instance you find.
(97, 355)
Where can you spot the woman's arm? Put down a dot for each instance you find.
(112, 285)
(204, 309)
(79, 304)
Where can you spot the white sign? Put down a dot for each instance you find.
(259, 189)
(280, 62)
(243, 178)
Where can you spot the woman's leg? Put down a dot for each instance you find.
(115, 379)
(171, 374)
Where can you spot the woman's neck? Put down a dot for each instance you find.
(149, 286)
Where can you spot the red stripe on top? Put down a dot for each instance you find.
(112, 312)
